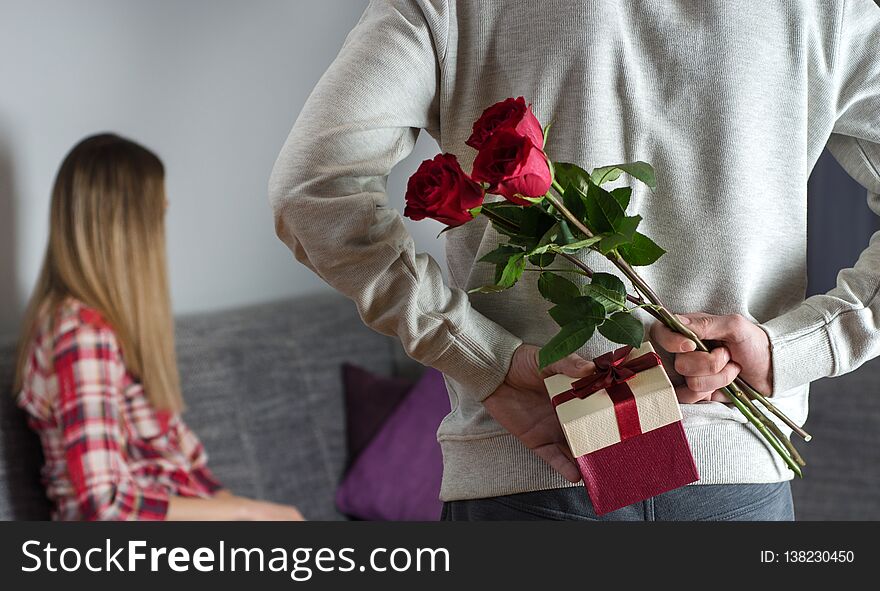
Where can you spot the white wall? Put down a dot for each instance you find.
(213, 86)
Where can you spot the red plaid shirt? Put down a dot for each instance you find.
(108, 454)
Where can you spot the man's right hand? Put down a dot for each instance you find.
(521, 405)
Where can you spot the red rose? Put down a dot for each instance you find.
(511, 113)
(513, 166)
(441, 190)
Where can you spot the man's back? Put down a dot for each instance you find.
(732, 108)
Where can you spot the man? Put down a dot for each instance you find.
(732, 107)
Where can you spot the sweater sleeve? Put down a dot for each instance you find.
(328, 192)
(192, 447)
(835, 333)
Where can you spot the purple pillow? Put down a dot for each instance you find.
(397, 476)
(369, 401)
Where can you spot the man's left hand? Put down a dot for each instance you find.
(743, 350)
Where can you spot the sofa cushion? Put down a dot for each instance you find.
(397, 477)
(369, 400)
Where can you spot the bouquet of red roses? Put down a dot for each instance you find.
(552, 211)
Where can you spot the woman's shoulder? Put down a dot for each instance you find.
(70, 332)
(73, 312)
(74, 319)
(74, 330)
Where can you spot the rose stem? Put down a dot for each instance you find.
(739, 399)
(771, 407)
(637, 300)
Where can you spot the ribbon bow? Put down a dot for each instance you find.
(611, 369)
(612, 373)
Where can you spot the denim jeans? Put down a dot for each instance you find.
(704, 502)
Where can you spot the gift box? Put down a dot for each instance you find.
(623, 426)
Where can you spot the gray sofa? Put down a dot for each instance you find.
(264, 392)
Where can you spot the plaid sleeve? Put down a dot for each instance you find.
(89, 369)
(195, 451)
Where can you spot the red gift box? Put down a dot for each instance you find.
(623, 425)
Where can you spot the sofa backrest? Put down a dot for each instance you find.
(21, 494)
(263, 389)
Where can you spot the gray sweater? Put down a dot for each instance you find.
(732, 102)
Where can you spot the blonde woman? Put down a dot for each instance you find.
(97, 374)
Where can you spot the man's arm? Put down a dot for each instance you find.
(331, 209)
(834, 333)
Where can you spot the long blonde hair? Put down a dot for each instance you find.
(107, 249)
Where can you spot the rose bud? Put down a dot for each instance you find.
(513, 166)
(441, 190)
(511, 113)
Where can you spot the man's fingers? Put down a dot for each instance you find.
(687, 396)
(574, 366)
(732, 327)
(719, 396)
(716, 381)
(560, 460)
(698, 363)
(671, 340)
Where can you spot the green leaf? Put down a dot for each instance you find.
(608, 290)
(544, 259)
(572, 174)
(505, 209)
(501, 255)
(638, 170)
(622, 195)
(625, 232)
(623, 328)
(574, 247)
(603, 211)
(539, 255)
(573, 199)
(535, 223)
(607, 298)
(531, 199)
(579, 308)
(557, 288)
(512, 215)
(571, 338)
(512, 271)
(640, 251)
(612, 283)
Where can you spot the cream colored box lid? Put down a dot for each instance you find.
(591, 424)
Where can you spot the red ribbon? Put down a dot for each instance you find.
(612, 373)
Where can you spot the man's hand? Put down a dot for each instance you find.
(521, 405)
(744, 351)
